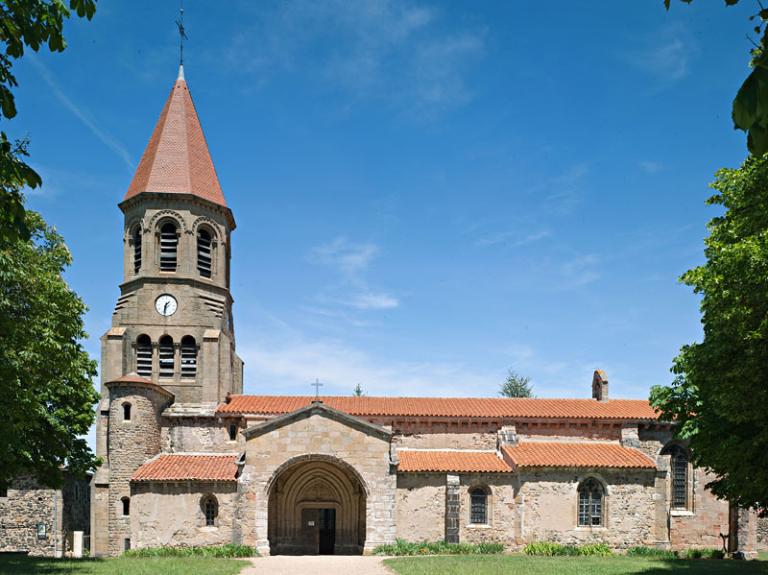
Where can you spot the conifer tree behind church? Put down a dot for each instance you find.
(516, 385)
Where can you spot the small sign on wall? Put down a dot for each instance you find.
(41, 531)
(310, 523)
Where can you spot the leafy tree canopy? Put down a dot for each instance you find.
(358, 391)
(45, 374)
(516, 386)
(25, 23)
(750, 107)
(720, 394)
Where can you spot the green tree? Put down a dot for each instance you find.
(750, 106)
(719, 396)
(32, 24)
(45, 374)
(516, 386)
(358, 391)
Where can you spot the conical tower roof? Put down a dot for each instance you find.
(177, 159)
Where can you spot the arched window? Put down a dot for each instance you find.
(166, 356)
(210, 510)
(137, 249)
(188, 357)
(591, 495)
(169, 244)
(126, 411)
(478, 508)
(204, 252)
(679, 471)
(126, 501)
(144, 356)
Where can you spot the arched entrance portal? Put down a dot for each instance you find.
(316, 506)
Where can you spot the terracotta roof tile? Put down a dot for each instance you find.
(447, 407)
(177, 159)
(184, 467)
(563, 454)
(451, 461)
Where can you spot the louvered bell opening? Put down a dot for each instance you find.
(165, 355)
(169, 243)
(144, 356)
(137, 250)
(188, 357)
(204, 253)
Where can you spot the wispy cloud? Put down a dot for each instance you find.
(351, 260)
(579, 271)
(513, 238)
(667, 54)
(81, 114)
(650, 167)
(392, 50)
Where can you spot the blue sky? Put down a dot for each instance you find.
(427, 193)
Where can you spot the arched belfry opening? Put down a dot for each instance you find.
(317, 506)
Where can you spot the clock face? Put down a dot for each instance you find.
(166, 305)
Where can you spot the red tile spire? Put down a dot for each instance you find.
(177, 159)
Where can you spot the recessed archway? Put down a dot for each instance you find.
(317, 505)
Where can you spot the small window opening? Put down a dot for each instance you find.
(232, 431)
(137, 249)
(211, 511)
(204, 253)
(478, 507)
(126, 544)
(126, 501)
(166, 356)
(679, 471)
(590, 503)
(169, 243)
(144, 356)
(188, 357)
(126, 412)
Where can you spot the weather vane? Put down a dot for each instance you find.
(182, 32)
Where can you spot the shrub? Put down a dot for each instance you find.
(218, 551)
(651, 552)
(704, 554)
(551, 549)
(402, 547)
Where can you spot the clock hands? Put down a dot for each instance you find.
(165, 307)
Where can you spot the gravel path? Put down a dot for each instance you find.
(317, 565)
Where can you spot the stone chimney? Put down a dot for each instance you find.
(600, 385)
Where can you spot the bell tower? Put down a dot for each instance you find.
(173, 320)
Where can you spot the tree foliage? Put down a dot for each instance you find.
(358, 391)
(32, 24)
(750, 106)
(516, 386)
(720, 393)
(45, 374)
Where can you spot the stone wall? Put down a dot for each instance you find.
(60, 511)
(367, 453)
(549, 504)
(421, 506)
(172, 514)
(469, 440)
(704, 521)
(502, 511)
(762, 533)
(198, 435)
(27, 505)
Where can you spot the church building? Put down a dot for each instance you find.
(188, 459)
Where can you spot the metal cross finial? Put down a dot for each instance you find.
(317, 385)
(182, 32)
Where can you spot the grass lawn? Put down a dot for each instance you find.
(522, 565)
(18, 565)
